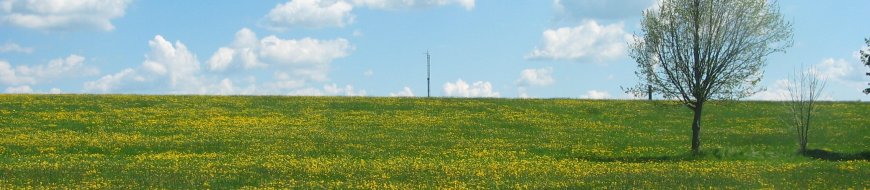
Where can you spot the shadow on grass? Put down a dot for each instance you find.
(837, 156)
(643, 159)
(706, 154)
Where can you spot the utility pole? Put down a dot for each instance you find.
(428, 82)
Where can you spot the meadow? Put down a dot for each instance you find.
(184, 142)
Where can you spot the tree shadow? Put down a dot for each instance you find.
(641, 159)
(837, 156)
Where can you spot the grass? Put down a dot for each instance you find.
(183, 142)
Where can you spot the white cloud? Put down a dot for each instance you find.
(838, 69)
(285, 80)
(522, 92)
(476, 89)
(841, 72)
(536, 77)
(778, 91)
(405, 4)
(172, 65)
(62, 14)
(310, 14)
(242, 52)
(226, 87)
(221, 59)
(176, 62)
(306, 92)
(113, 81)
(338, 13)
(369, 73)
(588, 41)
(14, 48)
(9, 76)
(71, 66)
(308, 58)
(304, 51)
(304, 58)
(600, 9)
(329, 90)
(347, 90)
(774, 92)
(406, 92)
(172, 68)
(24, 89)
(55, 91)
(595, 94)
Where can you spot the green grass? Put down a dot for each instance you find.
(183, 142)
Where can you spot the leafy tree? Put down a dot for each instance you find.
(697, 50)
(865, 58)
(803, 91)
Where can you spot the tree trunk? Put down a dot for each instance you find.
(804, 148)
(696, 129)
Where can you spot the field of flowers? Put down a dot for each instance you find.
(183, 142)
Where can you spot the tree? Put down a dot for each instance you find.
(803, 91)
(697, 50)
(865, 58)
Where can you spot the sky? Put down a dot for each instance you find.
(478, 48)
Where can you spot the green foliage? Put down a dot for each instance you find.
(194, 142)
(699, 50)
(865, 58)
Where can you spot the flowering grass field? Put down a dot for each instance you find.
(182, 142)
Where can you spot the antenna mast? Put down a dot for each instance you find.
(428, 75)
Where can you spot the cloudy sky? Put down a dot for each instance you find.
(479, 48)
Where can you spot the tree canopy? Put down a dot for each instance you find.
(697, 50)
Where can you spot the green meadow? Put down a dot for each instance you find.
(193, 142)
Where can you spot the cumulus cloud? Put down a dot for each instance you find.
(69, 67)
(329, 90)
(522, 92)
(55, 91)
(536, 77)
(837, 69)
(595, 94)
(405, 4)
(776, 92)
(406, 92)
(62, 14)
(462, 89)
(304, 58)
(841, 72)
(588, 41)
(9, 76)
(113, 81)
(24, 89)
(14, 48)
(172, 65)
(242, 52)
(303, 51)
(221, 59)
(173, 68)
(338, 13)
(173, 61)
(600, 9)
(310, 14)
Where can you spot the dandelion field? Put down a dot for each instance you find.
(183, 142)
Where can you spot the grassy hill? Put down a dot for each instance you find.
(181, 142)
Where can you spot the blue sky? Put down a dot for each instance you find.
(479, 48)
